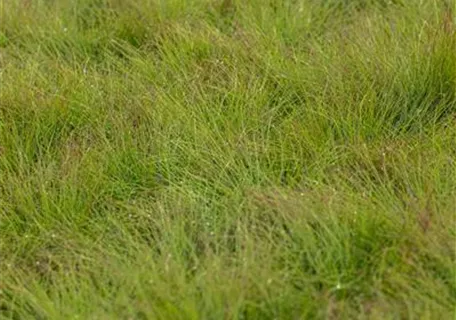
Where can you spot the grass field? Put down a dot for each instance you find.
(217, 159)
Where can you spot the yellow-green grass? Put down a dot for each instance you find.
(208, 159)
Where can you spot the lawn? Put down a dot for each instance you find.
(227, 159)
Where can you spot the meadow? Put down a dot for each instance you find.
(227, 159)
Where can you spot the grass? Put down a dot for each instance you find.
(209, 159)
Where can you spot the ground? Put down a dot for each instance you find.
(208, 159)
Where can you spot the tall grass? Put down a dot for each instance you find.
(228, 159)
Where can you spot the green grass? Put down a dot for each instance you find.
(210, 159)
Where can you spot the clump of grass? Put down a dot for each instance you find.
(227, 159)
